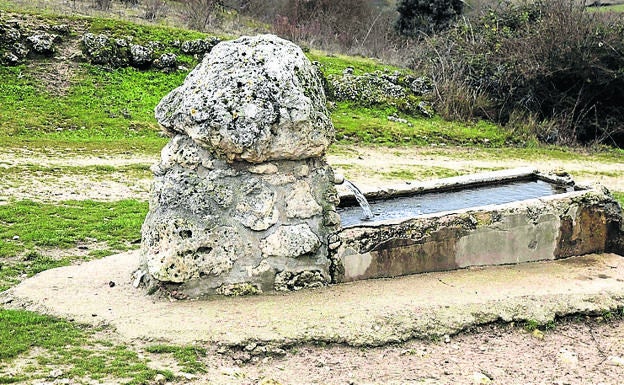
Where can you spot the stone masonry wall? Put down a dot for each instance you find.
(243, 198)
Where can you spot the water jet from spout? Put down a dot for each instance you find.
(367, 214)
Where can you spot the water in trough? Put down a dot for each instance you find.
(433, 202)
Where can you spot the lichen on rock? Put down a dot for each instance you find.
(254, 99)
(242, 194)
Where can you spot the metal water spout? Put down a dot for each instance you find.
(367, 214)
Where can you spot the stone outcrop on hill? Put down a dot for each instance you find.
(17, 42)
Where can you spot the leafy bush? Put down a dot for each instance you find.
(551, 64)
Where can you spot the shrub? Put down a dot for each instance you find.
(426, 16)
(322, 21)
(550, 62)
(102, 4)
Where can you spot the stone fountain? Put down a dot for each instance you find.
(243, 199)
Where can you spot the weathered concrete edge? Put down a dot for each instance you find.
(422, 323)
(433, 323)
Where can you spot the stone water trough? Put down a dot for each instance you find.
(244, 200)
(494, 218)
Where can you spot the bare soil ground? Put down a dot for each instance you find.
(367, 167)
(576, 350)
(580, 351)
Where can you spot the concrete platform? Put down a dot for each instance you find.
(364, 313)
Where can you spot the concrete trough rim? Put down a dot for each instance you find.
(456, 182)
(477, 209)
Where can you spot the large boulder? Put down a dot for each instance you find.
(243, 199)
(254, 99)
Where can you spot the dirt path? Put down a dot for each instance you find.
(577, 352)
(86, 177)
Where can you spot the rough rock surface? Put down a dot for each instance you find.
(402, 91)
(254, 99)
(166, 61)
(243, 199)
(199, 46)
(140, 56)
(43, 43)
(101, 49)
(18, 41)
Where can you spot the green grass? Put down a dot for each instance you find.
(95, 172)
(187, 357)
(28, 228)
(22, 331)
(142, 33)
(619, 196)
(332, 64)
(100, 106)
(608, 8)
(64, 345)
(422, 173)
(63, 225)
(356, 124)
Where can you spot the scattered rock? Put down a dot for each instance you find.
(538, 334)
(421, 86)
(9, 35)
(567, 357)
(100, 49)
(43, 43)
(199, 46)
(160, 379)
(480, 378)
(188, 376)
(166, 61)
(55, 373)
(140, 56)
(395, 89)
(615, 361)
(394, 118)
(63, 29)
(9, 59)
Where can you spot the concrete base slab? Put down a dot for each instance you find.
(364, 313)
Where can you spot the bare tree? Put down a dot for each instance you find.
(199, 14)
(155, 9)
